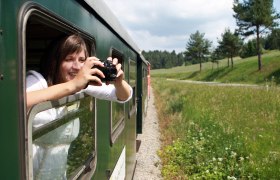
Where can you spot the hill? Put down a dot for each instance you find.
(244, 70)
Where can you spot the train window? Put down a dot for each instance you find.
(117, 109)
(40, 33)
(61, 134)
(82, 150)
(132, 82)
(132, 73)
(64, 146)
(144, 88)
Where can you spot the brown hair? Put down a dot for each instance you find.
(57, 51)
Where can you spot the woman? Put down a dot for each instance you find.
(66, 70)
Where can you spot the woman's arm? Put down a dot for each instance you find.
(122, 87)
(84, 76)
(122, 90)
(51, 93)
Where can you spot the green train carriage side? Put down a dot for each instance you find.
(143, 72)
(106, 145)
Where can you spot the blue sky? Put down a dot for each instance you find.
(167, 24)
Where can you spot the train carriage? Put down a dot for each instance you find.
(104, 146)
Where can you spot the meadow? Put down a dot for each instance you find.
(243, 71)
(215, 132)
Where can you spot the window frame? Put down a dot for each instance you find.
(52, 104)
(132, 109)
(117, 129)
(27, 11)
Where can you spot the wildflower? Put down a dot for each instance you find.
(233, 154)
(220, 159)
(241, 158)
(266, 87)
(231, 178)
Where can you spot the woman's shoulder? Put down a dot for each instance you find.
(35, 81)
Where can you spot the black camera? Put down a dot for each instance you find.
(109, 70)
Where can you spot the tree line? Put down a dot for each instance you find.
(253, 17)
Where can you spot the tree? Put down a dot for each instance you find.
(249, 49)
(273, 40)
(197, 47)
(217, 55)
(163, 59)
(255, 17)
(180, 59)
(230, 44)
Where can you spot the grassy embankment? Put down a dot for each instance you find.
(244, 70)
(211, 132)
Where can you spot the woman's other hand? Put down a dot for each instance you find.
(122, 87)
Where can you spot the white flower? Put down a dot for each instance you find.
(233, 154)
(231, 178)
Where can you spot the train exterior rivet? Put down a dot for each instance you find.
(1, 77)
(1, 32)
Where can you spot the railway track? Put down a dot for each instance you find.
(148, 163)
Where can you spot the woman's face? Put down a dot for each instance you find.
(70, 66)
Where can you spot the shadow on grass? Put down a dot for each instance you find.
(217, 74)
(274, 76)
(192, 75)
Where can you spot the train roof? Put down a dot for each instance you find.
(144, 60)
(103, 11)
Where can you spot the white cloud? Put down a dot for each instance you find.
(167, 24)
(150, 41)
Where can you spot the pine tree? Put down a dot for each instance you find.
(198, 48)
(255, 17)
(230, 44)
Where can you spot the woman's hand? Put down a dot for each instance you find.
(122, 87)
(120, 74)
(88, 74)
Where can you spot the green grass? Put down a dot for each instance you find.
(211, 132)
(244, 71)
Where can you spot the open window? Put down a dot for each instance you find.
(41, 31)
(60, 135)
(117, 109)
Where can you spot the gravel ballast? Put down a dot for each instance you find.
(148, 163)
